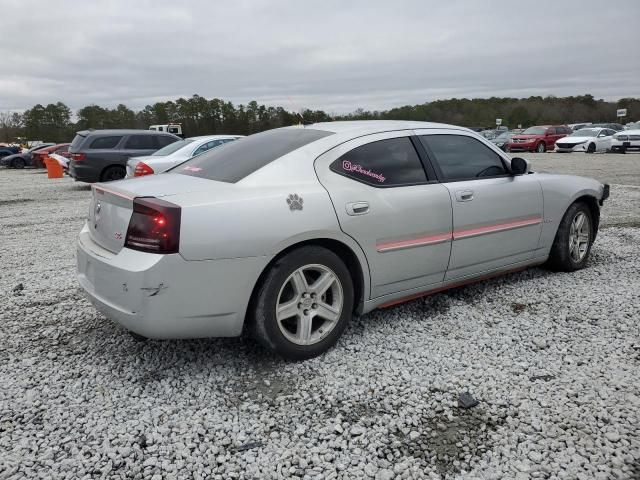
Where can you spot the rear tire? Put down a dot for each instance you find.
(591, 148)
(574, 238)
(112, 173)
(303, 304)
(541, 148)
(18, 163)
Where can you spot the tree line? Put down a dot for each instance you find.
(200, 116)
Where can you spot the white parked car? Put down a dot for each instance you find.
(176, 153)
(626, 140)
(587, 140)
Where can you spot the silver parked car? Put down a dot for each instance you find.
(174, 154)
(290, 232)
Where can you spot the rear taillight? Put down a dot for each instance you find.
(78, 156)
(154, 226)
(142, 169)
(65, 154)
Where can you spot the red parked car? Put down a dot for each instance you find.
(60, 149)
(538, 139)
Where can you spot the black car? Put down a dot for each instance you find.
(101, 155)
(21, 160)
(6, 151)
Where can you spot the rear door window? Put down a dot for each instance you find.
(140, 142)
(102, 143)
(386, 163)
(463, 158)
(235, 160)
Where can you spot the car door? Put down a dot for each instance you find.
(399, 215)
(603, 140)
(140, 145)
(497, 217)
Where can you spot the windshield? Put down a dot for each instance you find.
(585, 132)
(172, 147)
(503, 136)
(233, 161)
(535, 131)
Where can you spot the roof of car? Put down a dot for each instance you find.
(123, 131)
(213, 137)
(375, 125)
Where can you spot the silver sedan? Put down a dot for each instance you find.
(290, 232)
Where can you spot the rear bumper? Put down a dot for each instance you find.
(83, 171)
(165, 296)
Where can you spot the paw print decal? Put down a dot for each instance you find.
(295, 202)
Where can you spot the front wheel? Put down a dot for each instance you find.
(572, 245)
(541, 148)
(303, 304)
(591, 148)
(18, 163)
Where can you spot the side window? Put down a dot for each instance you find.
(203, 148)
(463, 158)
(104, 142)
(164, 140)
(385, 163)
(140, 142)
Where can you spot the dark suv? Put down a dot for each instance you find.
(101, 155)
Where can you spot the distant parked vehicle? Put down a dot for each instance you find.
(174, 154)
(39, 155)
(538, 139)
(579, 126)
(613, 126)
(175, 128)
(22, 159)
(6, 150)
(627, 140)
(101, 155)
(589, 140)
(632, 126)
(502, 140)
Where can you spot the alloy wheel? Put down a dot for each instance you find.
(309, 304)
(579, 236)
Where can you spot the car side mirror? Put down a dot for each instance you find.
(519, 166)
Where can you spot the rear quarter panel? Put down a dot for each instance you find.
(559, 192)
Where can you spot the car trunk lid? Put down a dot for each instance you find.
(112, 204)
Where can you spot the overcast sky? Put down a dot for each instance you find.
(330, 55)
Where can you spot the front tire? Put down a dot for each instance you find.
(572, 245)
(591, 148)
(541, 148)
(18, 163)
(303, 304)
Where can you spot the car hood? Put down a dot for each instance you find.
(575, 139)
(526, 137)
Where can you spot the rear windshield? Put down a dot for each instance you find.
(77, 141)
(233, 161)
(172, 147)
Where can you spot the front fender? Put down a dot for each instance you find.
(559, 192)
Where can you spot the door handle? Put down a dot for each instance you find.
(464, 195)
(357, 208)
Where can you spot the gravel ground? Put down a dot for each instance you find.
(552, 358)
